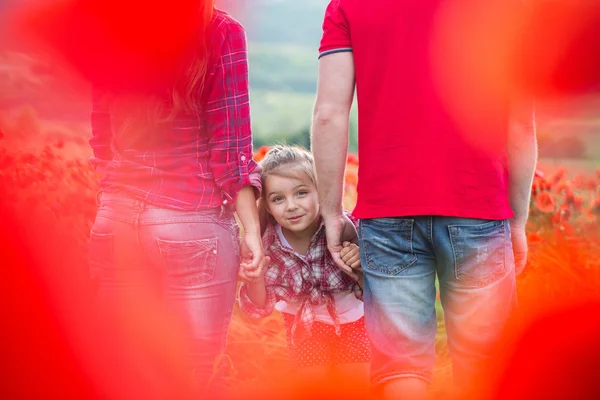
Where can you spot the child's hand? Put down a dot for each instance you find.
(250, 274)
(350, 255)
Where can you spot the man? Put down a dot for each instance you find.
(435, 196)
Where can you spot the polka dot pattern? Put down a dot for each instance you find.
(324, 347)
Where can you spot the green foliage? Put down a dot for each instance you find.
(281, 67)
(278, 115)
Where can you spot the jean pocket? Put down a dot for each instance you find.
(387, 244)
(100, 254)
(189, 263)
(479, 252)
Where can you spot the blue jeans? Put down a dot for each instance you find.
(167, 282)
(401, 257)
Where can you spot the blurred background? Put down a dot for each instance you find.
(49, 191)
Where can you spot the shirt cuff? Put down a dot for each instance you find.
(333, 51)
(252, 310)
(249, 175)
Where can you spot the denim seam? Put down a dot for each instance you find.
(430, 226)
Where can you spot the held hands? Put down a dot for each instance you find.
(340, 229)
(350, 255)
(253, 262)
(250, 274)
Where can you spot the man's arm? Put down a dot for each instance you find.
(329, 132)
(522, 159)
(329, 143)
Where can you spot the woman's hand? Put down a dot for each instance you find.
(254, 275)
(252, 257)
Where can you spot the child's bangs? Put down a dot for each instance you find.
(299, 172)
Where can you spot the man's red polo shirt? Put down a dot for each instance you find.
(432, 127)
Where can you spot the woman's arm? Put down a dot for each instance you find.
(252, 250)
(227, 118)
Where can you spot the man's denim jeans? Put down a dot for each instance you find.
(169, 271)
(401, 257)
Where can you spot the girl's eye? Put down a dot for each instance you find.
(276, 199)
(302, 193)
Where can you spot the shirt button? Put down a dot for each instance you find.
(224, 201)
(243, 158)
(214, 252)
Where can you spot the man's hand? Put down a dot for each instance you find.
(340, 229)
(520, 248)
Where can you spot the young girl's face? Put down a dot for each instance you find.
(293, 202)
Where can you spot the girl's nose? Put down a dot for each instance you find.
(291, 205)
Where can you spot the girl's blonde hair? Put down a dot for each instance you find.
(287, 162)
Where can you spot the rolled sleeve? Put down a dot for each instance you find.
(227, 117)
(336, 30)
(252, 310)
(101, 138)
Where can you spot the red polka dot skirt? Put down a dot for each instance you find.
(324, 347)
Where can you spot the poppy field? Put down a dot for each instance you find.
(58, 185)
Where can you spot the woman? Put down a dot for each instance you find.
(176, 163)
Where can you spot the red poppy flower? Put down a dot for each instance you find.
(558, 176)
(351, 179)
(592, 184)
(564, 187)
(579, 181)
(352, 159)
(545, 202)
(578, 203)
(260, 154)
(534, 237)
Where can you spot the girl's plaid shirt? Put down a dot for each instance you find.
(306, 280)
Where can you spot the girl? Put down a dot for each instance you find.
(320, 304)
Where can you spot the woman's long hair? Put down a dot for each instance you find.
(139, 117)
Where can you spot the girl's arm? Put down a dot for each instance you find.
(257, 293)
(257, 296)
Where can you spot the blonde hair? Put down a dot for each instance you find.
(138, 116)
(287, 162)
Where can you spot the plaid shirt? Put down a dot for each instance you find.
(204, 160)
(305, 280)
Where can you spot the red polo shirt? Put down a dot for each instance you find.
(432, 108)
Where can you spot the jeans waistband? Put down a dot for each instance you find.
(137, 204)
